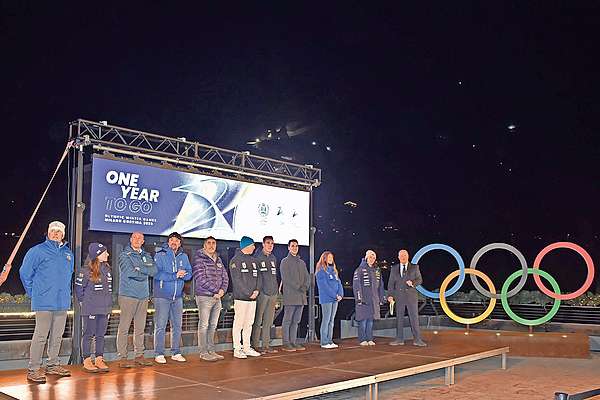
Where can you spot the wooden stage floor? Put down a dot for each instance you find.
(271, 375)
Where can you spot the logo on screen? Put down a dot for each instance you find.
(263, 210)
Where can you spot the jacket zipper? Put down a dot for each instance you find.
(175, 270)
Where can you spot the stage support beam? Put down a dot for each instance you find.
(450, 375)
(77, 234)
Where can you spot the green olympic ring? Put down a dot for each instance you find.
(524, 321)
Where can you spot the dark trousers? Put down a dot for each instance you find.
(93, 326)
(407, 300)
(291, 318)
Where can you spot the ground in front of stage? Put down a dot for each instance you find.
(527, 378)
(531, 378)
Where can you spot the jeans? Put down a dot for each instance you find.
(328, 310)
(46, 322)
(292, 314)
(167, 310)
(93, 326)
(263, 320)
(136, 310)
(365, 330)
(209, 310)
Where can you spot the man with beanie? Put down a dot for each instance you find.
(246, 287)
(173, 268)
(210, 282)
(295, 281)
(267, 298)
(135, 267)
(46, 275)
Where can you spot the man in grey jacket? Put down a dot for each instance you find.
(404, 278)
(295, 281)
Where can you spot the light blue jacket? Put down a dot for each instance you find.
(134, 269)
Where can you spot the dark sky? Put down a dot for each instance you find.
(461, 123)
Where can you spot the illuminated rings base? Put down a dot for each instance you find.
(457, 257)
(455, 317)
(588, 262)
(523, 321)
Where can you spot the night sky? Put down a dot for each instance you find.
(459, 123)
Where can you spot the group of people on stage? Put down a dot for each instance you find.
(256, 282)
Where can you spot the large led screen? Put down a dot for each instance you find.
(129, 197)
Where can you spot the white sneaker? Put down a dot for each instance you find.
(371, 343)
(364, 343)
(326, 346)
(178, 357)
(239, 354)
(160, 359)
(333, 345)
(251, 352)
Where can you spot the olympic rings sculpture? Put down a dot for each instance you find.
(504, 293)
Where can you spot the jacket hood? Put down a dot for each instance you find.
(164, 248)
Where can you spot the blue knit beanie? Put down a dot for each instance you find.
(245, 242)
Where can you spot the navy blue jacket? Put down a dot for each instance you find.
(267, 273)
(46, 275)
(329, 284)
(244, 276)
(134, 269)
(366, 301)
(95, 297)
(166, 284)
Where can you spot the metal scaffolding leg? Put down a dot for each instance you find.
(503, 360)
(450, 375)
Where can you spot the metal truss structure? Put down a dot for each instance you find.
(178, 153)
(205, 159)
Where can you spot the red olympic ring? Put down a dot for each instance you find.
(588, 262)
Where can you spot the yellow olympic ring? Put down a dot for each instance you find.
(455, 317)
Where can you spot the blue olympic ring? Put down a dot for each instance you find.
(457, 257)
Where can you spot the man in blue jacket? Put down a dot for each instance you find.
(173, 269)
(135, 266)
(46, 274)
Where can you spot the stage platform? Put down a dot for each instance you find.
(277, 376)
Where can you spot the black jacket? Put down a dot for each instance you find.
(244, 276)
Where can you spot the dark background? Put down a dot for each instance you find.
(459, 123)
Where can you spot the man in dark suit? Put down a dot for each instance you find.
(404, 278)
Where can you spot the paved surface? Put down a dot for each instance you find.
(525, 378)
